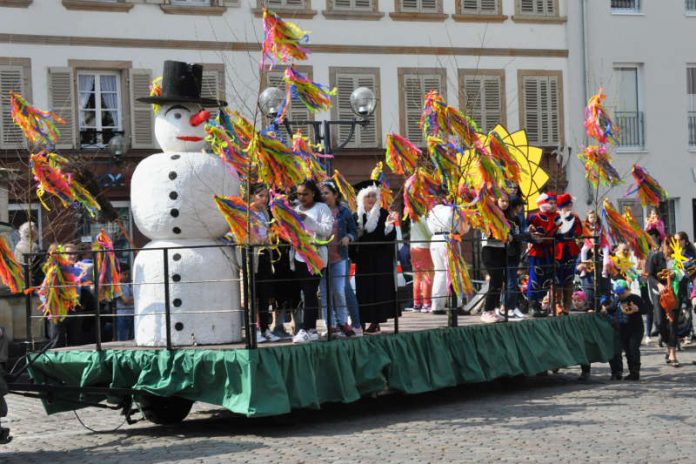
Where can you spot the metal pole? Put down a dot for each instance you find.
(167, 304)
(329, 300)
(95, 279)
(253, 313)
(326, 142)
(27, 297)
(552, 299)
(596, 275)
(245, 289)
(452, 316)
(396, 287)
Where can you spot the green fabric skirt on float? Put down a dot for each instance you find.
(275, 380)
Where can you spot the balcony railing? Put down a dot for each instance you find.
(692, 129)
(632, 131)
(625, 5)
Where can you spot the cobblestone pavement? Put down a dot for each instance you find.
(552, 418)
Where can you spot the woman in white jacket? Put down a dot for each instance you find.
(318, 219)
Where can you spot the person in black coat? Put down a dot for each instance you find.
(625, 314)
(374, 263)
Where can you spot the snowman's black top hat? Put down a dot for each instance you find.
(181, 83)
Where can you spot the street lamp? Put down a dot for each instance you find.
(117, 146)
(362, 103)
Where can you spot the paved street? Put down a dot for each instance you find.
(542, 419)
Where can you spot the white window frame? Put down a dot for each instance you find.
(97, 102)
(640, 147)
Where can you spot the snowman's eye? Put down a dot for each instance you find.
(177, 115)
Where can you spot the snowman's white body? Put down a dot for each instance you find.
(172, 204)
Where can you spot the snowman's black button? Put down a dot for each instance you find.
(172, 175)
(174, 212)
(176, 257)
(175, 157)
(179, 326)
(173, 195)
(176, 230)
(177, 302)
(176, 277)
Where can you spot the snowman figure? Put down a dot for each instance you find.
(172, 203)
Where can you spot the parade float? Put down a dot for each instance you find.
(190, 318)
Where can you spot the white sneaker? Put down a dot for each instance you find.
(268, 335)
(301, 337)
(260, 338)
(313, 335)
(358, 332)
(500, 312)
(489, 317)
(519, 314)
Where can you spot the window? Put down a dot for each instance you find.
(537, 7)
(542, 106)
(12, 79)
(690, 6)
(691, 103)
(628, 115)
(419, 6)
(414, 84)
(353, 5)
(668, 213)
(479, 7)
(297, 111)
(482, 96)
(99, 106)
(628, 6)
(191, 2)
(300, 4)
(346, 80)
(635, 207)
(18, 214)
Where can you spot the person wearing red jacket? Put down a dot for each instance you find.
(566, 252)
(543, 225)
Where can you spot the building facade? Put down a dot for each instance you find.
(649, 76)
(500, 60)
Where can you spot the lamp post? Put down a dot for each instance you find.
(362, 103)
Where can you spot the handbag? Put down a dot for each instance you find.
(668, 300)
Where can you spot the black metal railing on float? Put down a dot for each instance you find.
(247, 256)
(632, 133)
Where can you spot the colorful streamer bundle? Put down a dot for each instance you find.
(421, 191)
(282, 40)
(11, 273)
(313, 95)
(643, 240)
(46, 168)
(401, 155)
(489, 171)
(59, 289)
(501, 154)
(462, 126)
(156, 91)
(386, 197)
(37, 125)
(433, 119)
(598, 167)
(598, 123)
(278, 166)
(109, 268)
(650, 192)
(347, 191)
(310, 162)
(288, 226)
(238, 217)
(492, 218)
(445, 158)
(458, 271)
(616, 226)
(225, 143)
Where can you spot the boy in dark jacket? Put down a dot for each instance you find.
(625, 314)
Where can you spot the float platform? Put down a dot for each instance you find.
(278, 378)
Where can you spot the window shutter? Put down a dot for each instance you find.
(473, 99)
(492, 102)
(363, 4)
(142, 119)
(11, 79)
(429, 6)
(480, 6)
(542, 110)
(212, 85)
(62, 102)
(532, 109)
(415, 87)
(363, 137)
(409, 5)
(343, 4)
(527, 6)
(287, 3)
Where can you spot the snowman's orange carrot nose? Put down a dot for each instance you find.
(199, 118)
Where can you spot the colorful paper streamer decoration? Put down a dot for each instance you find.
(598, 167)
(347, 191)
(643, 242)
(310, 159)
(650, 192)
(314, 96)
(11, 273)
(282, 40)
(37, 125)
(226, 143)
(598, 123)
(458, 271)
(386, 197)
(241, 220)
(109, 268)
(401, 155)
(59, 290)
(421, 193)
(288, 226)
(278, 166)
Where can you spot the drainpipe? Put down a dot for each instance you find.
(585, 77)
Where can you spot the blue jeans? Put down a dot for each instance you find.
(352, 302)
(124, 326)
(339, 312)
(512, 288)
